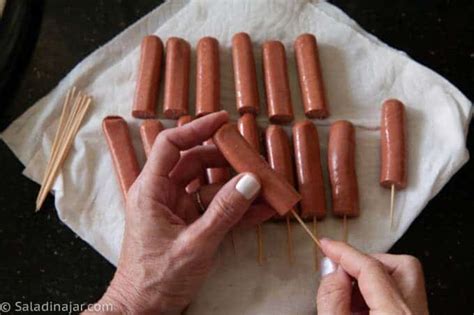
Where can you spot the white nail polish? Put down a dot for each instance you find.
(327, 266)
(248, 186)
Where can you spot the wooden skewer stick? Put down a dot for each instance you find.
(315, 247)
(314, 238)
(72, 126)
(289, 240)
(64, 146)
(392, 202)
(345, 234)
(62, 121)
(72, 113)
(260, 257)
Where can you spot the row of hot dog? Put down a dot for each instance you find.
(246, 156)
(177, 72)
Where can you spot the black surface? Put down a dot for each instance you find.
(42, 260)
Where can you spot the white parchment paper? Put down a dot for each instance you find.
(359, 72)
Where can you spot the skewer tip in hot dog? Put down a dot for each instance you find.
(342, 172)
(392, 145)
(178, 55)
(148, 80)
(245, 74)
(277, 87)
(207, 76)
(123, 153)
(276, 190)
(310, 77)
(309, 170)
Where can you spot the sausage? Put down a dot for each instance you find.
(217, 175)
(148, 81)
(342, 173)
(207, 76)
(310, 77)
(176, 97)
(279, 153)
(183, 120)
(149, 129)
(194, 185)
(309, 170)
(277, 87)
(245, 74)
(392, 145)
(276, 190)
(247, 125)
(121, 148)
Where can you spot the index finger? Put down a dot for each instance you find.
(375, 284)
(165, 152)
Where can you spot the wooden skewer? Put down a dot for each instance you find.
(62, 120)
(392, 202)
(72, 113)
(64, 142)
(345, 234)
(315, 247)
(289, 240)
(260, 257)
(66, 145)
(314, 238)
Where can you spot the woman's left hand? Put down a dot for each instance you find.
(168, 248)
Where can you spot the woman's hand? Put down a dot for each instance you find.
(168, 248)
(386, 284)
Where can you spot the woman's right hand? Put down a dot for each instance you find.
(385, 284)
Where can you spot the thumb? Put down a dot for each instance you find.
(334, 293)
(225, 209)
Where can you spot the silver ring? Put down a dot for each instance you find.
(199, 201)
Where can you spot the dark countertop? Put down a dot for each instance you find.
(42, 260)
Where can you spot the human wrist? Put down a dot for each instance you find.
(131, 298)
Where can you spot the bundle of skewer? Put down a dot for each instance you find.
(74, 110)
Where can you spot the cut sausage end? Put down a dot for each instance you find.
(143, 114)
(281, 119)
(317, 113)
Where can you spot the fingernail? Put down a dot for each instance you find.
(327, 266)
(248, 186)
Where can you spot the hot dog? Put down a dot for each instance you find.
(276, 190)
(342, 172)
(207, 76)
(310, 77)
(149, 129)
(245, 74)
(217, 175)
(279, 153)
(183, 120)
(308, 169)
(392, 145)
(248, 128)
(148, 81)
(121, 148)
(176, 97)
(277, 87)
